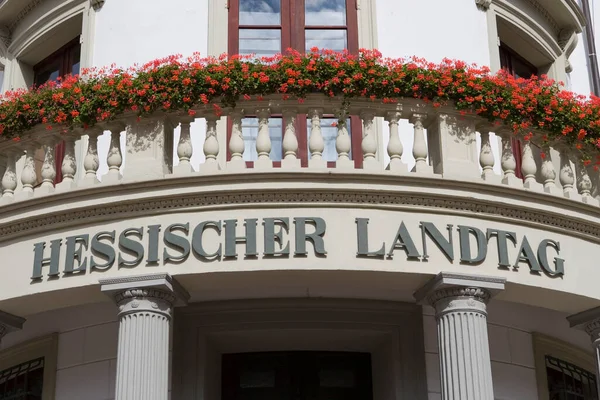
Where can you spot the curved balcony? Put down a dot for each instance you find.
(452, 178)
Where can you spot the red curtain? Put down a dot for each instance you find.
(59, 154)
(517, 152)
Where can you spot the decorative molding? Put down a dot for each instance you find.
(10, 323)
(96, 4)
(475, 293)
(23, 13)
(155, 289)
(446, 286)
(588, 321)
(544, 13)
(483, 5)
(5, 36)
(455, 205)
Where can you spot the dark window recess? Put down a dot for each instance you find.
(569, 382)
(64, 61)
(267, 27)
(297, 375)
(517, 66)
(23, 382)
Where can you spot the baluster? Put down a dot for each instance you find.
(263, 140)
(290, 141)
(211, 145)
(48, 171)
(529, 167)
(584, 183)
(184, 148)
(236, 142)
(549, 173)
(369, 142)
(566, 176)
(28, 175)
(9, 179)
(68, 166)
(114, 158)
(419, 145)
(316, 144)
(343, 143)
(395, 148)
(486, 156)
(91, 160)
(508, 162)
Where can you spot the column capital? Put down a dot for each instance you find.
(447, 286)
(154, 292)
(9, 323)
(588, 321)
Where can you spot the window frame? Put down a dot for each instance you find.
(64, 55)
(544, 345)
(293, 28)
(43, 347)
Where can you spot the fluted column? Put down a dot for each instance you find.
(589, 321)
(145, 305)
(461, 315)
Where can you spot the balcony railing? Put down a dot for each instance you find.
(444, 145)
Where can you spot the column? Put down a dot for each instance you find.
(589, 321)
(9, 323)
(145, 305)
(460, 311)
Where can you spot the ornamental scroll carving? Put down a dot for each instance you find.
(147, 300)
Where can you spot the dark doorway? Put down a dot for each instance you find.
(297, 375)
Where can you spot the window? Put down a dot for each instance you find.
(64, 61)
(28, 370)
(23, 382)
(297, 375)
(567, 381)
(517, 66)
(267, 27)
(563, 370)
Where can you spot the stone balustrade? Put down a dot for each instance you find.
(444, 145)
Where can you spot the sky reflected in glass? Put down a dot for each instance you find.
(332, 39)
(325, 12)
(261, 42)
(260, 12)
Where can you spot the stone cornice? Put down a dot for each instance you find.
(588, 321)
(10, 323)
(153, 289)
(377, 199)
(447, 285)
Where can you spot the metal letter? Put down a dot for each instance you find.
(316, 237)
(103, 250)
(131, 247)
(403, 241)
(362, 233)
(39, 261)
(231, 240)
(153, 231)
(446, 246)
(75, 245)
(197, 235)
(176, 242)
(502, 238)
(527, 255)
(464, 233)
(271, 236)
(559, 263)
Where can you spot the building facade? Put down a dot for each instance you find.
(270, 253)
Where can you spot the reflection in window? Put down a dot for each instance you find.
(260, 42)
(260, 12)
(23, 382)
(569, 382)
(325, 12)
(329, 132)
(332, 39)
(250, 133)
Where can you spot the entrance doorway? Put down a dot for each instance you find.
(296, 375)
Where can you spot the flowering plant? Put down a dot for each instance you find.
(178, 84)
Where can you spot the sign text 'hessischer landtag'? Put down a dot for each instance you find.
(283, 237)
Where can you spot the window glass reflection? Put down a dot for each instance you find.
(260, 12)
(250, 133)
(261, 42)
(325, 12)
(332, 39)
(329, 132)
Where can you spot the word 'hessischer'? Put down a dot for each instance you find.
(100, 252)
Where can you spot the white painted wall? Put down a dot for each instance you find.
(132, 32)
(510, 328)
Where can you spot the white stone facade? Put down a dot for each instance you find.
(419, 268)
